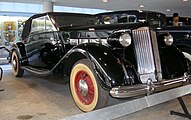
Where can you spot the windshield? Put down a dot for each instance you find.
(68, 20)
(116, 18)
(155, 19)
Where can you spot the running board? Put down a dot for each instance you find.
(42, 72)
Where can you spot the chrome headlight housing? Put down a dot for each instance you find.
(125, 39)
(168, 39)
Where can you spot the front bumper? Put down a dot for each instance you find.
(148, 88)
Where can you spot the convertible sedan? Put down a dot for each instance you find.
(117, 60)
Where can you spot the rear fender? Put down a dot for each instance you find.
(20, 48)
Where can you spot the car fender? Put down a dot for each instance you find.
(185, 47)
(20, 47)
(106, 64)
(174, 60)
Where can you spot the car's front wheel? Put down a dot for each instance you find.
(16, 65)
(86, 92)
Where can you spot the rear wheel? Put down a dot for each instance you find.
(16, 65)
(86, 92)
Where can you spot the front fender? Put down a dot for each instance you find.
(107, 65)
(173, 62)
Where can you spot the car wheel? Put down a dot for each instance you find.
(85, 89)
(16, 65)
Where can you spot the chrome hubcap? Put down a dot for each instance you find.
(14, 63)
(83, 87)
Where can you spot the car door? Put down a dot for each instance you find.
(48, 50)
(31, 46)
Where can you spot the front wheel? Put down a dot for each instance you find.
(86, 92)
(16, 65)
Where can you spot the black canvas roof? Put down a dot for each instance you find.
(71, 19)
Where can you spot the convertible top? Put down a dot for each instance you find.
(61, 20)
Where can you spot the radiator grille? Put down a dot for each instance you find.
(144, 53)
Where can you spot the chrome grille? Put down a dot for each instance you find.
(144, 53)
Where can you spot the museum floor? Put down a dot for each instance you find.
(35, 98)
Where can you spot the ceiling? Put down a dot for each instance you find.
(183, 8)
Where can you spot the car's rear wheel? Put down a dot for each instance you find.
(86, 92)
(16, 65)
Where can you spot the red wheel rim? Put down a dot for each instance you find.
(84, 87)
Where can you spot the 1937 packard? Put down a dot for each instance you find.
(120, 60)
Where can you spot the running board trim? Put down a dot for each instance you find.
(37, 71)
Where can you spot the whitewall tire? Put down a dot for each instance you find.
(86, 92)
(16, 65)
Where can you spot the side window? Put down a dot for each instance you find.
(48, 24)
(38, 24)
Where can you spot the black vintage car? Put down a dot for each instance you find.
(120, 60)
(158, 21)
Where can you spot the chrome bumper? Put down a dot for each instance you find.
(148, 88)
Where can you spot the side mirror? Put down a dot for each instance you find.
(1, 73)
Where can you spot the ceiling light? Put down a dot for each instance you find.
(141, 6)
(184, 0)
(168, 10)
(105, 1)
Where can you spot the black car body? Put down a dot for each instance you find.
(121, 60)
(158, 21)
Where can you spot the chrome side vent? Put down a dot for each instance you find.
(144, 53)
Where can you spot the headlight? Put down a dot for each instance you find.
(168, 39)
(125, 39)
